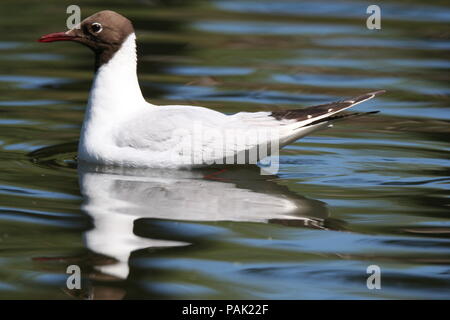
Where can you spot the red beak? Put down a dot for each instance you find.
(57, 36)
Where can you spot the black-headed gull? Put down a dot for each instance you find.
(121, 128)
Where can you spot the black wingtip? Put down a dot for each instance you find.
(323, 109)
(365, 96)
(343, 116)
(375, 93)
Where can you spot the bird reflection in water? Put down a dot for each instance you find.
(116, 197)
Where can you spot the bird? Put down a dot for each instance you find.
(120, 128)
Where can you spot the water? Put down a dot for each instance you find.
(373, 191)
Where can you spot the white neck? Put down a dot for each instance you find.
(116, 86)
(115, 96)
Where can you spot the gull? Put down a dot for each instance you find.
(121, 128)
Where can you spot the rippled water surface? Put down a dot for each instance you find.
(370, 191)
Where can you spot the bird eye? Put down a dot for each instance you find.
(96, 27)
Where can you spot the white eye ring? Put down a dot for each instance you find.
(96, 24)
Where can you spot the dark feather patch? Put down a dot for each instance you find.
(320, 110)
(341, 116)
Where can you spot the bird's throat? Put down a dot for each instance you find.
(116, 87)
